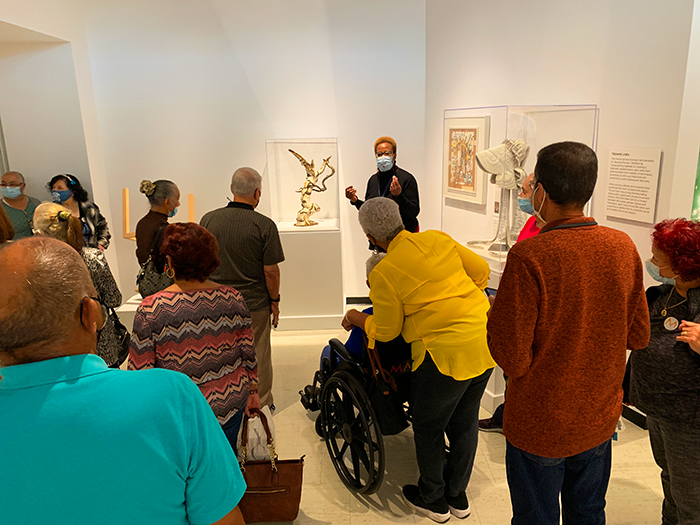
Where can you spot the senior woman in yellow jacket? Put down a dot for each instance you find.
(429, 288)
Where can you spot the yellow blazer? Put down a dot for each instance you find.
(429, 288)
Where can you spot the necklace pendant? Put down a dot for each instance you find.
(663, 312)
(671, 323)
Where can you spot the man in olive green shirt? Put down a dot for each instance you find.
(18, 206)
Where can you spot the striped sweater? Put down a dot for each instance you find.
(205, 334)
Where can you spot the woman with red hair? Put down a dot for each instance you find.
(199, 328)
(665, 376)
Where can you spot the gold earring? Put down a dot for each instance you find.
(170, 272)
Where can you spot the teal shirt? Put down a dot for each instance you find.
(81, 443)
(22, 220)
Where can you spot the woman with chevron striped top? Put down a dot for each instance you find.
(199, 328)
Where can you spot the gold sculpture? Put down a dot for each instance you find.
(308, 208)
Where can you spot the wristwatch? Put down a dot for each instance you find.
(276, 300)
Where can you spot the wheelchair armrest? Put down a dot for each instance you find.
(339, 348)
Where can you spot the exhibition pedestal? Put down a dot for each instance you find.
(311, 280)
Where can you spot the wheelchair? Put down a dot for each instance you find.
(348, 422)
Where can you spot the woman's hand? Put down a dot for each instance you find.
(354, 318)
(395, 187)
(252, 407)
(690, 333)
(351, 194)
(346, 323)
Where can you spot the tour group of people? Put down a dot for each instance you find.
(86, 438)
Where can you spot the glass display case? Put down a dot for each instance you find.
(487, 152)
(303, 177)
(304, 203)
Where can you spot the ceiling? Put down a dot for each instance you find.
(11, 34)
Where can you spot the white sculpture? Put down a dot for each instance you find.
(505, 163)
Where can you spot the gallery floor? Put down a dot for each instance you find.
(634, 496)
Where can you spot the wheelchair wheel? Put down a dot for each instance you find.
(352, 434)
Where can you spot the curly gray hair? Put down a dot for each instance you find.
(373, 261)
(380, 218)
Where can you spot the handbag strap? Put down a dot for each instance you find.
(377, 368)
(153, 256)
(244, 440)
(156, 236)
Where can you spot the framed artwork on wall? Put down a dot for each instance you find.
(462, 177)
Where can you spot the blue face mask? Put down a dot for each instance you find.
(654, 272)
(385, 163)
(526, 206)
(10, 192)
(61, 196)
(172, 213)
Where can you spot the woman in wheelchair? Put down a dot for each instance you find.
(429, 289)
(394, 355)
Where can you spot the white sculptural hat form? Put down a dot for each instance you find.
(505, 163)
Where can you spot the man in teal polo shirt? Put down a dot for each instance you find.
(82, 443)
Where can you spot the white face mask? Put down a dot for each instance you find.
(385, 162)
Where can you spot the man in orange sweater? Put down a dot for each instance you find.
(570, 303)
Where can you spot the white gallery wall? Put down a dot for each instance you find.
(191, 90)
(626, 56)
(40, 113)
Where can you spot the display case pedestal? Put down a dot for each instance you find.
(311, 279)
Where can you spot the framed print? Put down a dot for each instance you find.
(462, 177)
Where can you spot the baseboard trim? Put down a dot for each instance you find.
(357, 300)
(490, 401)
(635, 416)
(310, 322)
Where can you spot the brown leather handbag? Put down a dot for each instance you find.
(273, 488)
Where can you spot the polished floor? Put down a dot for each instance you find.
(634, 496)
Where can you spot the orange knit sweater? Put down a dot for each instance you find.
(570, 302)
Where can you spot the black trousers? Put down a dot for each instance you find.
(442, 405)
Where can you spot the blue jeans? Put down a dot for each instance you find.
(535, 483)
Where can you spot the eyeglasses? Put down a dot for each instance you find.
(10, 184)
(103, 307)
(384, 154)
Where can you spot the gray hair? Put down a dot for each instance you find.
(380, 218)
(373, 261)
(245, 181)
(41, 308)
(21, 177)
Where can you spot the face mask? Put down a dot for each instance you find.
(537, 213)
(655, 273)
(384, 163)
(172, 213)
(526, 206)
(61, 196)
(11, 193)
